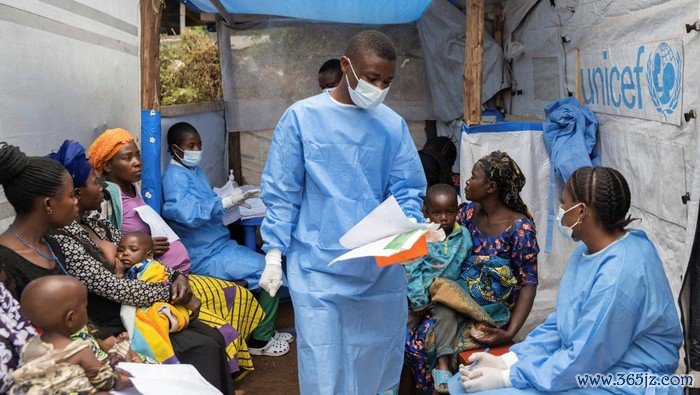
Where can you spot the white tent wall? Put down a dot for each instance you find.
(658, 159)
(70, 69)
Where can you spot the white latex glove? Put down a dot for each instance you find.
(238, 197)
(271, 279)
(482, 379)
(483, 360)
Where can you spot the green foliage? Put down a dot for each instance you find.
(189, 68)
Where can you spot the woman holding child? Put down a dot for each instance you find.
(494, 282)
(115, 155)
(42, 194)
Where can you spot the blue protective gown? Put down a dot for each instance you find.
(195, 213)
(329, 166)
(615, 313)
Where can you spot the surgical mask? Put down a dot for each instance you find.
(190, 158)
(566, 231)
(365, 95)
(327, 89)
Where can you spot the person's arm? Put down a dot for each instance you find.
(407, 180)
(283, 184)
(98, 280)
(418, 296)
(185, 204)
(543, 340)
(600, 336)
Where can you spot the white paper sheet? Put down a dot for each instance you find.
(384, 247)
(158, 227)
(166, 379)
(384, 221)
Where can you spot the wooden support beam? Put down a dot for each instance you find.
(151, 12)
(223, 34)
(473, 62)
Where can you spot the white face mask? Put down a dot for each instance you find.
(190, 158)
(566, 231)
(365, 95)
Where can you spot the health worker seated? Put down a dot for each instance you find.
(615, 312)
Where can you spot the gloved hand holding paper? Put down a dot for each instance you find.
(386, 233)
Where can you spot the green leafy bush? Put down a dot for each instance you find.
(189, 68)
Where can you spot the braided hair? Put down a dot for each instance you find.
(510, 180)
(26, 178)
(604, 190)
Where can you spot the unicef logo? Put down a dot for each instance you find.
(664, 78)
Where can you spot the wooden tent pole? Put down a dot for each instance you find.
(151, 11)
(473, 62)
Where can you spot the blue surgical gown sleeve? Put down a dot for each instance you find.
(282, 184)
(601, 335)
(187, 204)
(407, 179)
(543, 340)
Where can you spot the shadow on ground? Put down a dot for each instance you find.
(274, 375)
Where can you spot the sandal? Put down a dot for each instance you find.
(441, 377)
(283, 336)
(273, 348)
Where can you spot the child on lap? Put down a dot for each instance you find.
(444, 260)
(153, 324)
(53, 362)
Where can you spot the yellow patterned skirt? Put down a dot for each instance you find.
(233, 311)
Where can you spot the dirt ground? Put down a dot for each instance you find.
(274, 375)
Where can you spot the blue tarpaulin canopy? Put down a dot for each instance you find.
(343, 11)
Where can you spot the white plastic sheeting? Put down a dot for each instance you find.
(659, 160)
(70, 69)
(524, 143)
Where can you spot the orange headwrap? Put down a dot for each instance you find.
(106, 146)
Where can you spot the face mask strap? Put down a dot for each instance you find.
(361, 81)
(578, 221)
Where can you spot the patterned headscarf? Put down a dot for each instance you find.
(106, 146)
(503, 170)
(72, 156)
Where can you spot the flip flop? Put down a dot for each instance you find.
(283, 336)
(273, 348)
(440, 377)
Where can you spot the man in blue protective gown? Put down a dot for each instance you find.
(334, 158)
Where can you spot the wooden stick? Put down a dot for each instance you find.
(473, 62)
(577, 76)
(151, 12)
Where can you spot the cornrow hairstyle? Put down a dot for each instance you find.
(25, 179)
(371, 42)
(440, 190)
(510, 180)
(178, 132)
(605, 191)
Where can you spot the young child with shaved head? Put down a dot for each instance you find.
(52, 362)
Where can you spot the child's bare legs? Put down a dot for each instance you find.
(446, 321)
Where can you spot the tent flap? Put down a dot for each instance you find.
(373, 12)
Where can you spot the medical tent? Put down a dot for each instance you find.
(73, 65)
